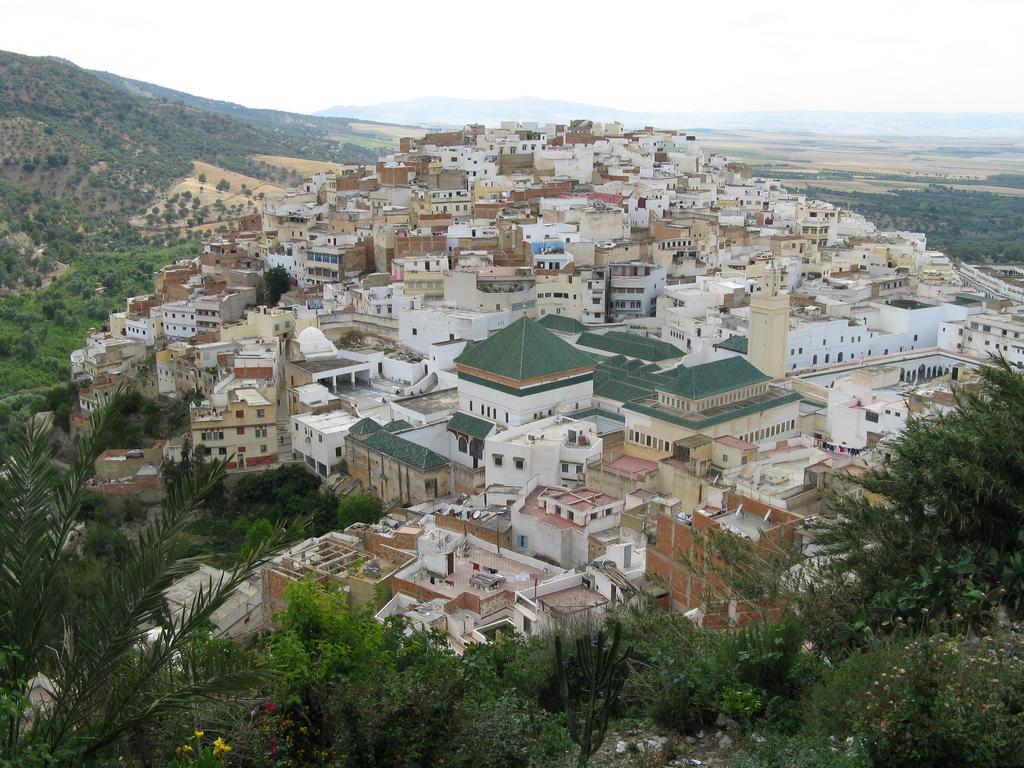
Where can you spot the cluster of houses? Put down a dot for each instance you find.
(559, 355)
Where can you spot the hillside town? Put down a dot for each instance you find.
(560, 355)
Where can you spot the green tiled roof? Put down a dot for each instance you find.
(697, 422)
(630, 345)
(467, 424)
(405, 451)
(734, 343)
(617, 378)
(620, 391)
(365, 426)
(398, 425)
(562, 323)
(699, 381)
(524, 350)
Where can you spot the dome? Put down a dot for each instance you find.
(313, 343)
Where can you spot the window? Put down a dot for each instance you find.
(871, 416)
(222, 451)
(263, 449)
(240, 431)
(565, 467)
(498, 458)
(414, 332)
(519, 462)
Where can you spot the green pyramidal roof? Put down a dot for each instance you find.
(524, 350)
(698, 381)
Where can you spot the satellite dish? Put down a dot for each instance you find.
(476, 514)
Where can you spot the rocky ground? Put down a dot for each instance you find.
(640, 744)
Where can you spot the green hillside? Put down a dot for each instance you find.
(69, 134)
(78, 156)
(325, 138)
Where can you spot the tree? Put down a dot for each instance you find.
(277, 283)
(112, 674)
(223, 185)
(590, 683)
(202, 178)
(939, 531)
(360, 508)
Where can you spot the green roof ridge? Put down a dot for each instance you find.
(699, 381)
(735, 343)
(524, 350)
(365, 426)
(630, 345)
(470, 425)
(405, 451)
(562, 323)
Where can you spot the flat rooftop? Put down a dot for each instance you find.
(437, 401)
(320, 366)
(250, 397)
(476, 561)
(332, 421)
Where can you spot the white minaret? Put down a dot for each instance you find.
(769, 325)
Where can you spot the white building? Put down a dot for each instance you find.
(421, 328)
(318, 439)
(556, 523)
(986, 334)
(556, 450)
(864, 407)
(524, 373)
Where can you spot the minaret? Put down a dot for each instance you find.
(769, 325)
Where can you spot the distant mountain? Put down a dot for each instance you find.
(443, 111)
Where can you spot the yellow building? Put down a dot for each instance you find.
(769, 327)
(728, 397)
(239, 426)
(260, 323)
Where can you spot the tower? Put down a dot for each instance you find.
(769, 325)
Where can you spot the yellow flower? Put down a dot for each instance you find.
(199, 734)
(219, 747)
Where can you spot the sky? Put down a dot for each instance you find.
(680, 55)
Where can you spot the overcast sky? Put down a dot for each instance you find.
(683, 55)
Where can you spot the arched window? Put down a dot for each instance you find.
(463, 445)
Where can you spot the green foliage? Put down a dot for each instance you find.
(359, 508)
(972, 226)
(108, 680)
(277, 282)
(764, 654)
(943, 705)
(105, 542)
(801, 752)
(590, 681)
(938, 540)
(741, 703)
(40, 358)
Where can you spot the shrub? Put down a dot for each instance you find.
(740, 703)
(779, 752)
(947, 704)
(765, 654)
